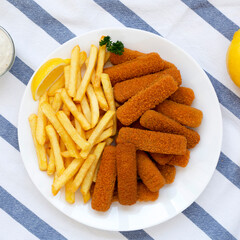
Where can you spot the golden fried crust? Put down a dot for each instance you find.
(126, 173)
(144, 194)
(146, 99)
(143, 65)
(158, 122)
(168, 172)
(104, 187)
(183, 95)
(149, 173)
(181, 160)
(181, 113)
(127, 55)
(161, 159)
(154, 142)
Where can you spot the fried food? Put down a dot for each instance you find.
(168, 172)
(180, 160)
(144, 194)
(181, 113)
(143, 65)
(149, 173)
(183, 95)
(161, 159)
(151, 141)
(104, 187)
(158, 122)
(127, 55)
(126, 89)
(126, 173)
(146, 99)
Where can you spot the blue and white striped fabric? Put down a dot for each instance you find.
(202, 28)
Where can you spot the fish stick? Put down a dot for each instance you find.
(181, 113)
(154, 142)
(149, 173)
(158, 122)
(161, 159)
(146, 99)
(183, 95)
(104, 187)
(168, 172)
(143, 65)
(144, 194)
(127, 55)
(180, 160)
(126, 173)
(126, 89)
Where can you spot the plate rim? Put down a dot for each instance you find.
(182, 51)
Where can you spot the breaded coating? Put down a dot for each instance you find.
(104, 187)
(158, 122)
(127, 55)
(146, 99)
(126, 173)
(145, 195)
(168, 65)
(149, 173)
(183, 95)
(181, 113)
(161, 159)
(180, 160)
(126, 89)
(143, 65)
(168, 172)
(154, 142)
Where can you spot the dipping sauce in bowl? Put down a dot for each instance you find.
(7, 51)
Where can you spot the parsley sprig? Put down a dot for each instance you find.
(114, 47)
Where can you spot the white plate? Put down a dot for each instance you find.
(189, 182)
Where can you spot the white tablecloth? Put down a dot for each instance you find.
(202, 28)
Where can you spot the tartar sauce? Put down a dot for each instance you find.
(6, 51)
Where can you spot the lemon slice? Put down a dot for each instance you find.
(48, 73)
(233, 58)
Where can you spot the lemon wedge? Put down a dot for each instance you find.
(233, 58)
(48, 73)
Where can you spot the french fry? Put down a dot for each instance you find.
(94, 105)
(57, 102)
(108, 90)
(69, 172)
(50, 114)
(73, 109)
(54, 180)
(100, 64)
(86, 197)
(74, 69)
(86, 184)
(66, 110)
(105, 135)
(98, 131)
(79, 78)
(86, 108)
(69, 195)
(66, 154)
(82, 172)
(50, 100)
(107, 56)
(82, 58)
(87, 76)
(82, 143)
(117, 105)
(40, 149)
(79, 129)
(108, 141)
(56, 149)
(59, 83)
(67, 75)
(62, 145)
(51, 164)
(96, 171)
(41, 121)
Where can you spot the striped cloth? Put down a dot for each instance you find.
(202, 28)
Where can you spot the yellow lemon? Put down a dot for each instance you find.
(48, 73)
(233, 58)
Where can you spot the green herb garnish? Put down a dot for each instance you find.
(114, 47)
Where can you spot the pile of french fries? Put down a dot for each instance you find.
(76, 119)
